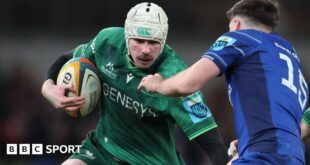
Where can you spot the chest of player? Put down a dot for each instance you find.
(119, 76)
(119, 88)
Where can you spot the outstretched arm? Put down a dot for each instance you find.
(185, 82)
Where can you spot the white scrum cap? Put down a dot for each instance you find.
(147, 21)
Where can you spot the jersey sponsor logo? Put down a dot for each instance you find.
(108, 70)
(222, 42)
(127, 102)
(196, 108)
(142, 31)
(129, 77)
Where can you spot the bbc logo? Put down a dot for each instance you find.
(24, 149)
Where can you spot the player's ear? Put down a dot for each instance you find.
(234, 24)
(237, 24)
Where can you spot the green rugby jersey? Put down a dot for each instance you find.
(306, 117)
(137, 126)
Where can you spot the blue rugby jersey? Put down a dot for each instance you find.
(266, 88)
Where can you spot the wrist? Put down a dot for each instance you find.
(47, 85)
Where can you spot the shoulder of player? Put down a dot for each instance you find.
(247, 36)
(111, 31)
(113, 35)
(171, 62)
(79, 50)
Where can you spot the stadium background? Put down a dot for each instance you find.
(34, 33)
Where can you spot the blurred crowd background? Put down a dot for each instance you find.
(34, 33)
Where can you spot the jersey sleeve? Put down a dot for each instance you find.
(85, 50)
(80, 50)
(306, 117)
(90, 49)
(231, 48)
(192, 115)
(169, 64)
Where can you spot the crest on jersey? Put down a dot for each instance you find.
(222, 42)
(196, 108)
(108, 69)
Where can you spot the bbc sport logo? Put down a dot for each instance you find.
(39, 149)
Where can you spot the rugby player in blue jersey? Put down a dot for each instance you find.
(266, 85)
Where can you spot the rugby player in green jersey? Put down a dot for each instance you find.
(136, 127)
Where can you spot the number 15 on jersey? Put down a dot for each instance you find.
(301, 88)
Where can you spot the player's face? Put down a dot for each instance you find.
(143, 52)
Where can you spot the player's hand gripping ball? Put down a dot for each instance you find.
(83, 74)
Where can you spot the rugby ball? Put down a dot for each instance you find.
(83, 74)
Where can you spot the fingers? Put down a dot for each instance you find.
(75, 103)
(235, 142)
(145, 82)
(70, 88)
(70, 102)
(57, 95)
(232, 150)
(141, 85)
(72, 108)
(157, 75)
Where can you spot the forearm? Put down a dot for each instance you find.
(175, 86)
(212, 143)
(54, 69)
(46, 85)
(51, 76)
(189, 80)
